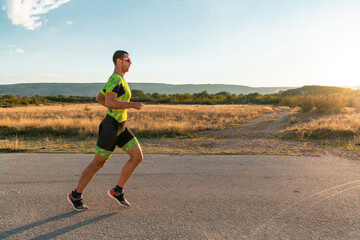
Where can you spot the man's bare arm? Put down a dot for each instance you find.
(112, 102)
(101, 99)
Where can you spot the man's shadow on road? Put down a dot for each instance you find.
(57, 232)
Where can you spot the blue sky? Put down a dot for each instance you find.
(259, 43)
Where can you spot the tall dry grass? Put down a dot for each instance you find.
(67, 119)
(318, 126)
(331, 103)
(84, 119)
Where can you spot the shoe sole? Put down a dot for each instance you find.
(112, 197)
(78, 210)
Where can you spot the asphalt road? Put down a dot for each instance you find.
(183, 197)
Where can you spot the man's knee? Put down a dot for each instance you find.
(135, 153)
(137, 157)
(99, 162)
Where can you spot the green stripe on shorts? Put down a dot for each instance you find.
(103, 152)
(133, 142)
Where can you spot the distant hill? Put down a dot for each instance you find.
(316, 90)
(91, 89)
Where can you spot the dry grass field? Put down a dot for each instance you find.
(73, 128)
(344, 125)
(84, 119)
(180, 129)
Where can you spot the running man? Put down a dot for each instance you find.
(115, 95)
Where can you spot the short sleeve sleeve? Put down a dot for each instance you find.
(111, 86)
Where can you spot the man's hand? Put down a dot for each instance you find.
(138, 105)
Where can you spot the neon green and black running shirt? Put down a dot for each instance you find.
(118, 85)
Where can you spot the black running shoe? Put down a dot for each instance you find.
(119, 198)
(76, 203)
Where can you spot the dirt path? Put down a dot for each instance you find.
(261, 136)
(264, 127)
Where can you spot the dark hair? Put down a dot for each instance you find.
(118, 54)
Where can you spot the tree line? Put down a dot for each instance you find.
(309, 98)
(10, 100)
(204, 97)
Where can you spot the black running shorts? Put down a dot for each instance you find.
(112, 134)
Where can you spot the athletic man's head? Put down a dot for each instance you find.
(118, 55)
(122, 62)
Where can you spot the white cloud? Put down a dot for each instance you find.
(68, 22)
(19, 50)
(26, 12)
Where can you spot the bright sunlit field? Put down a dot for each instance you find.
(84, 119)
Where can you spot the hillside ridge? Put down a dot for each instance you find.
(91, 89)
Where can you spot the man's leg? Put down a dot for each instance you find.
(75, 197)
(90, 171)
(136, 157)
(117, 193)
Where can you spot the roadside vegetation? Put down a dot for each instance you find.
(74, 128)
(340, 126)
(82, 120)
(318, 99)
(324, 115)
